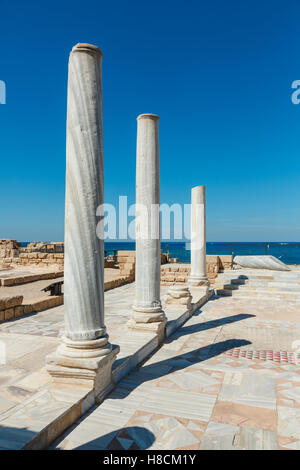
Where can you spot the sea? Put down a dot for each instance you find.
(287, 252)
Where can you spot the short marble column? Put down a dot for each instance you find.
(85, 353)
(179, 295)
(198, 276)
(147, 310)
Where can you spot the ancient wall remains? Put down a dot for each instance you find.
(40, 255)
(9, 248)
(178, 273)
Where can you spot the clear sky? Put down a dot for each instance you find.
(219, 75)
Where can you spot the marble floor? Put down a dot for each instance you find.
(199, 391)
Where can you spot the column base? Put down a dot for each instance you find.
(157, 328)
(148, 319)
(198, 292)
(198, 281)
(89, 367)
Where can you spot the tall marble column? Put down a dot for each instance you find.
(147, 309)
(198, 276)
(85, 353)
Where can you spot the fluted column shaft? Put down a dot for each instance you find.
(84, 251)
(147, 306)
(84, 356)
(198, 274)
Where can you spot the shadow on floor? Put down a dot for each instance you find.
(189, 329)
(127, 438)
(173, 364)
(14, 438)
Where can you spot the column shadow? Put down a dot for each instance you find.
(196, 328)
(173, 364)
(126, 438)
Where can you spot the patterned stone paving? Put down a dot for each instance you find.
(200, 392)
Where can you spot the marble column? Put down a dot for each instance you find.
(198, 276)
(85, 352)
(147, 310)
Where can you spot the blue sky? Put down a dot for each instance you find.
(219, 75)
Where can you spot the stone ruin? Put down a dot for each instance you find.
(35, 254)
(9, 248)
(172, 274)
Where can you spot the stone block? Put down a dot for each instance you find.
(9, 302)
(28, 308)
(8, 282)
(226, 261)
(126, 253)
(9, 314)
(181, 278)
(169, 278)
(19, 311)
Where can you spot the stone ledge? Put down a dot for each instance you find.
(121, 281)
(31, 306)
(17, 280)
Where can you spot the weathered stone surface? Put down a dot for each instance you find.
(8, 314)
(179, 295)
(8, 302)
(261, 262)
(84, 304)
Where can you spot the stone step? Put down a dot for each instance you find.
(224, 292)
(255, 281)
(231, 287)
(248, 293)
(274, 283)
(259, 286)
(278, 288)
(261, 275)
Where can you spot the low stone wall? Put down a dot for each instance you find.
(40, 260)
(179, 273)
(35, 254)
(17, 280)
(12, 307)
(121, 281)
(44, 247)
(225, 262)
(9, 249)
(126, 262)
